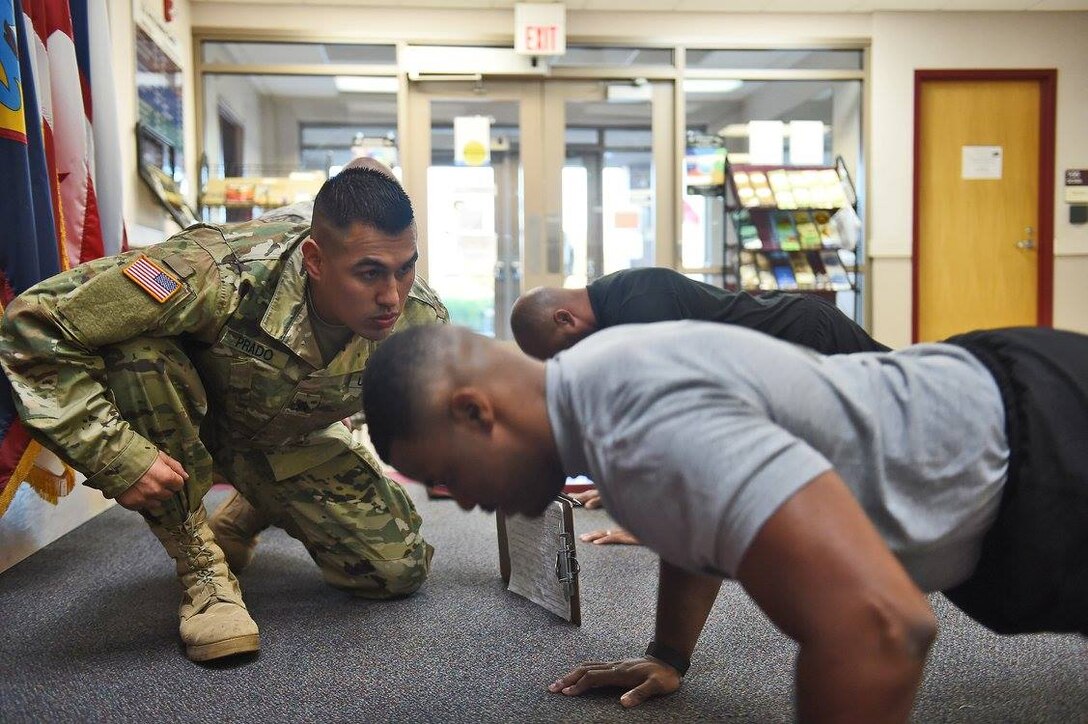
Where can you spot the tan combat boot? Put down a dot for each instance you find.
(214, 619)
(236, 524)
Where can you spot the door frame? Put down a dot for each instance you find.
(416, 149)
(1048, 82)
(542, 119)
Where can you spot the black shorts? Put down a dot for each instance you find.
(1033, 573)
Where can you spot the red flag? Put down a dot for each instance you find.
(34, 19)
(72, 136)
(90, 23)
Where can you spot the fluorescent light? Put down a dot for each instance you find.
(711, 85)
(366, 84)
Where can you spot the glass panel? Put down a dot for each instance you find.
(468, 208)
(331, 145)
(702, 241)
(267, 137)
(608, 189)
(297, 53)
(773, 59)
(713, 279)
(828, 128)
(577, 56)
(726, 113)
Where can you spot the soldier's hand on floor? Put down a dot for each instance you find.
(644, 678)
(589, 498)
(611, 536)
(164, 478)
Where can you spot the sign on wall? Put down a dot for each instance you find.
(540, 29)
(472, 140)
(982, 163)
(1076, 186)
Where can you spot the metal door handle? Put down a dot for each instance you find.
(1028, 242)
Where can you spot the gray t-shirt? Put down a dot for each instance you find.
(695, 433)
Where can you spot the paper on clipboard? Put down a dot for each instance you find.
(537, 559)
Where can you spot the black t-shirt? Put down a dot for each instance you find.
(634, 296)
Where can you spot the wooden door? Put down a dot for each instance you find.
(981, 244)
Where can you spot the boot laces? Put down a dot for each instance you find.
(196, 553)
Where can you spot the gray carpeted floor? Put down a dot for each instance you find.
(89, 633)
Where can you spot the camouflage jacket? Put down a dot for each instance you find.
(235, 300)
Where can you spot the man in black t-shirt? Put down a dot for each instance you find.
(548, 320)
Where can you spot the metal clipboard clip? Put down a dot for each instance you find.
(566, 562)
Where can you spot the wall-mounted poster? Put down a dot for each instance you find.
(159, 93)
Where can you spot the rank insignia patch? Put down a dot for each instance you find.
(152, 278)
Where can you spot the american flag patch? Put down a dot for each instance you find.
(152, 278)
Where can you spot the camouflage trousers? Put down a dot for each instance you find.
(359, 526)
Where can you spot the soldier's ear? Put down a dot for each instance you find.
(311, 258)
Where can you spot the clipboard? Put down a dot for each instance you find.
(538, 561)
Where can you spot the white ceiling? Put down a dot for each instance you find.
(739, 6)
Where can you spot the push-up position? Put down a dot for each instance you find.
(837, 490)
(548, 320)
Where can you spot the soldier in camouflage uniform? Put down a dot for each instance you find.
(235, 350)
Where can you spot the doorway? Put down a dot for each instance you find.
(232, 135)
(984, 199)
(568, 188)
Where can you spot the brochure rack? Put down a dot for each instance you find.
(793, 228)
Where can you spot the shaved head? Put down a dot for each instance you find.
(371, 163)
(547, 320)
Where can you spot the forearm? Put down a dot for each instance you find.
(59, 390)
(684, 601)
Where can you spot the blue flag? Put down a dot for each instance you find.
(28, 236)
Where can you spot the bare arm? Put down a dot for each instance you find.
(824, 576)
(684, 601)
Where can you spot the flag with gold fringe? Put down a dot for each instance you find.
(49, 210)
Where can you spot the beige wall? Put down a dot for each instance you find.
(31, 523)
(904, 42)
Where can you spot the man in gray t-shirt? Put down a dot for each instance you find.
(836, 490)
(745, 423)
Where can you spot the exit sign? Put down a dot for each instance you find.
(540, 28)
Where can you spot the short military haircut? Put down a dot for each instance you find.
(531, 319)
(365, 196)
(398, 380)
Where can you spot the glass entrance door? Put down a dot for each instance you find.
(537, 183)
